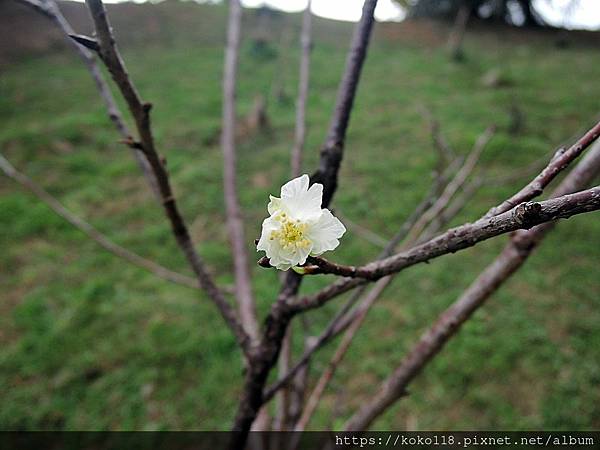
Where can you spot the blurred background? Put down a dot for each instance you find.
(90, 342)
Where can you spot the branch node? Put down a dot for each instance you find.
(86, 41)
(526, 213)
(132, 143)
(264, 262)
(169, 199)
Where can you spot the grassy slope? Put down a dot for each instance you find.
(90, 342)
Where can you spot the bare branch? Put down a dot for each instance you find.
(457, 182)
(300, 134)
(93, 233)
(141, 114)
(449, 322)
(524, 216)
(443, 148)
(50, 9)
(562, 158)
(357, 321)
(235, 223)
(332, 152)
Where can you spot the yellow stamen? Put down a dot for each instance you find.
(291, 233)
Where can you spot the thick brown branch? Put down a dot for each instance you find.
(557, 164)
(141, 113)
(235, 223)
(433, 340)
(524, 216)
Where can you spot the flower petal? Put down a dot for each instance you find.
(300, 201)
(295, 187)
(264, 243)
(275, 205)
(325, 232)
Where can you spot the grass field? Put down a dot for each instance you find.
(91, 342)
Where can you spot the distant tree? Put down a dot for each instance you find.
(515, 12)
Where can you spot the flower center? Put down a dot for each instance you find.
(291, 233)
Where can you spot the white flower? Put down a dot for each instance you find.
(297, 226)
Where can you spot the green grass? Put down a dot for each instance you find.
(90, 342)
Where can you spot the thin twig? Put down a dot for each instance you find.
(93, 233)
(315, 396)
(235, 223)
(363, 232)
(141, 113)
(443, 148)
(452, 187)
(561, 159)
(303, 82)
